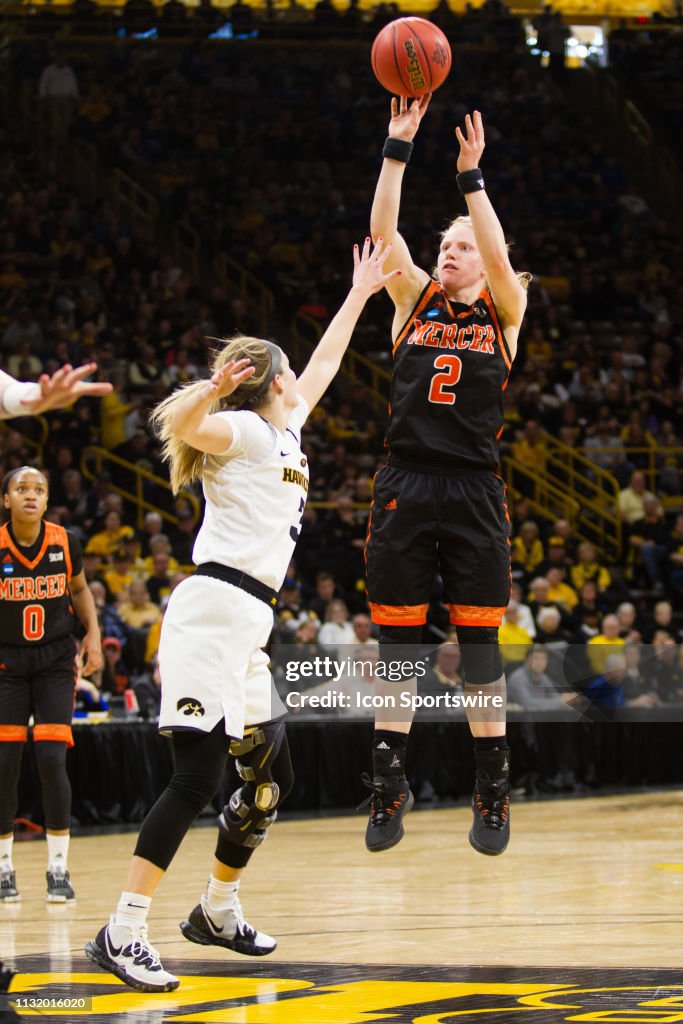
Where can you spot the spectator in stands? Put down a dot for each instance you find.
(182, 536)
(111, 623)
(588, 569)
(662, 621)
(665, 670)
(106, 542)
(138, 611)
(115, 676)
(444, 674)
(675, 562)
(513, 639)
(603, 446)
(531, 449)
(524, 617)
(638, 691)
(336, 632)
(119, 577)
(159, 543)
(326, 590)
(159, 582)
(531, 687)
(649, 542)
(627, 616)
(606, 690)
(632, 498)
(557, 557)
(607, 642)
(362, 629)
(153, 525)
(559, 592)
(527, 549)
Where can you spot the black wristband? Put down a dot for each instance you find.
(470, 181)
(398, 149)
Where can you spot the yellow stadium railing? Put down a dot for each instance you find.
(134, 204)
(544, 496)
(306, 333)
(258, 298)
(94, 460)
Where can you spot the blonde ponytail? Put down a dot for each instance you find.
(185, 462)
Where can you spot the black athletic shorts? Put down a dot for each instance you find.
(38, 681)
(423, 525)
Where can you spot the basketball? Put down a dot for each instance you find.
(411, 56)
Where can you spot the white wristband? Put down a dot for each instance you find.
(16, 393)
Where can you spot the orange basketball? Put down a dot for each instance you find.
(410, 57)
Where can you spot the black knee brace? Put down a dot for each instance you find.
(263, 762)
(481, 660)
(51, 763)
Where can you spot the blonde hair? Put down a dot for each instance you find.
(185, 462)
(523, 277)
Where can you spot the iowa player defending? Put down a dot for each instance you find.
(439, 504)
(240, 433)
(41, 585)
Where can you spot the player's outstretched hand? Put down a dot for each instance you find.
(472, 144)
(368, 267)
(63, 388)
(405, 120)
(229, 377)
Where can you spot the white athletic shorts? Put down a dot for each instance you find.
(211, 661)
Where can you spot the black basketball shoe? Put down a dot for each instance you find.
(389, 801)
(490, 832)
(227, 928)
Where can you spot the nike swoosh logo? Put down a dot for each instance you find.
(213, 924)
(283, 454)
(112, 949)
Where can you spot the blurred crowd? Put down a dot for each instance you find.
(286, 191)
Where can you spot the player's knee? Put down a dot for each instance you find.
(196, 788)
(264, 763)
(481, 660)
(398, 644)
(50, 758)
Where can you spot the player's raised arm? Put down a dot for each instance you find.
(508, 294)
(405, 121)
(192, 420)
(369, 276)
(65, 386)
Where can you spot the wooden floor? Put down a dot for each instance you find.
(591, 883)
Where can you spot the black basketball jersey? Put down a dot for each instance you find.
(451, 367)
(35, 602)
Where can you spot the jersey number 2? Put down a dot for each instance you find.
(452, 367)
(34, 622)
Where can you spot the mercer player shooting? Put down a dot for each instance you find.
(439, 507)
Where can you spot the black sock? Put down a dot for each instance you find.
(389, 753)
(490, 743)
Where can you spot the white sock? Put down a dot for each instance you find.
(132, 909)
(222, 895)
(6, 852)
(57, 851)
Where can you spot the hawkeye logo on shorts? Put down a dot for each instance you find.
(190, 706)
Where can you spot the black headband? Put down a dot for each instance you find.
(275, 367)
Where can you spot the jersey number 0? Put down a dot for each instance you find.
(34, 622)
(452, 368)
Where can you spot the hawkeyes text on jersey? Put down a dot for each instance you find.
(451, 366)
(35, 602)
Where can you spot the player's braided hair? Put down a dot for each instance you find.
(186, 463)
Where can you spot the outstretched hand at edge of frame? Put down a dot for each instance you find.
(64, 387)
(368, 267)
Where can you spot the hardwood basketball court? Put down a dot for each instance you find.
(580, 920)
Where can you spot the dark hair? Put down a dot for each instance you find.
(8, 477)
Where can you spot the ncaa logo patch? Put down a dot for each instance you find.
(432, 313)
(190, 706)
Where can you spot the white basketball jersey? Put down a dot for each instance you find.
(255, 497)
